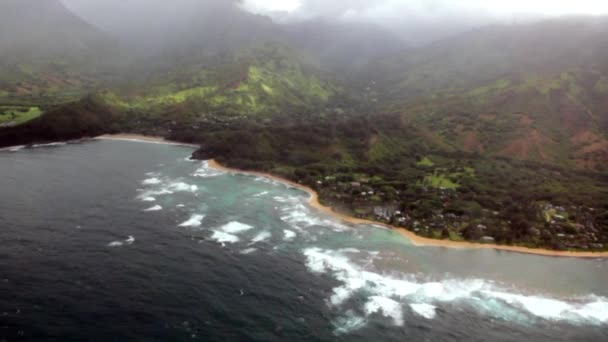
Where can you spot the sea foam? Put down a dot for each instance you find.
(235, 227)
(196, 220)
(262, 236)
(207, 172)
(387, 295)
(223, 237)
(151, 181)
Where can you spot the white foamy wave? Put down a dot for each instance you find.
(151, 181)
(349, 322)
(263, 193)
(148, 199)
(196, 220)
(282, 199)
(154, 208)
(228, 232)
(555, 309)
(182, 187)
(223, 237)
(129, 241)
(387, 307)
(149, 194)
(235, 227)
(207, 172)
(387, 294)
(288, 235)
(267, 180)
(425, 310)
(167, 187)
(300, 215)
(55, 144)
(13, 148)
(262, 236)
(248, 251)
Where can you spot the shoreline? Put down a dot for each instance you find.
(142, 138)
(418, 241)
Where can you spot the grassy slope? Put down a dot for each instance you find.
(257, 82)
(14, 116)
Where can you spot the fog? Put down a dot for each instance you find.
(415, 21)
(422, 21)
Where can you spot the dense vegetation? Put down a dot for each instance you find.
(463, 139)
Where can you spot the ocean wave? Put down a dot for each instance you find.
(149, 199)
(55, 144)
(129, 241)
(13, 148)
(388, 295)
(425, 310)
(235, 227)
(181, 187)
(262, 236)
(348, 322)
(228, 232)
(248, 251)
(299, 215)
(288, 235)
(161, 187)
(207, 172)
(154, 208)
(386, 306)
(151, 181)
(223, 237)
(196, 220)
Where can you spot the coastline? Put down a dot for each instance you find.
(142, 138)
(418, 241)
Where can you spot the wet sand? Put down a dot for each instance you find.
(416, 240)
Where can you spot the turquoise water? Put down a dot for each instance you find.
(257, 260)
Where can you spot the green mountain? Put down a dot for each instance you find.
(535, 92)
(259, 82)
(47, 52)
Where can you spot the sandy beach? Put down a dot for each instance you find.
(416, 240)
(142, 138)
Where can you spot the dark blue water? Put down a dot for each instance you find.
(128, 241)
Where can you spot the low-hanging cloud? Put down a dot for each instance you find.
(427, 20)
(380, 9)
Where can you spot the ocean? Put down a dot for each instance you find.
(133, 241)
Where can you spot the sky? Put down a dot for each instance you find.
(361, 9)
(415, 21)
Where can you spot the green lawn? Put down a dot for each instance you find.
(16, 116)
(439, 181)
(426, 161)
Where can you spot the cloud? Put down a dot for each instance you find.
(427, 20)
(378, 9)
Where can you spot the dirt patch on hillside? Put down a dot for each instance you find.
(532, 145)
(471, 142)
(525, 120)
